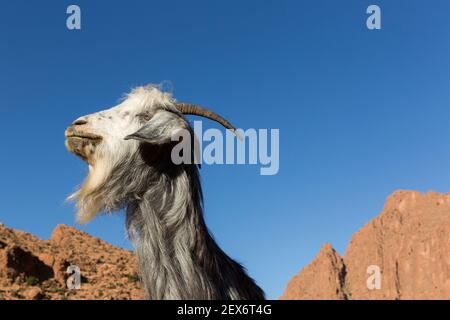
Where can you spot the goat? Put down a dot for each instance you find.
(127, 149)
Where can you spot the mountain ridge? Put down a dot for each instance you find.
(407, 245)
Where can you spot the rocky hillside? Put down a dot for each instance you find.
(31, 268)
(410, 244)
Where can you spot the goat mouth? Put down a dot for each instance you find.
(82, 144)
(87, 136)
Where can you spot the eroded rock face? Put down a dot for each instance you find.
(18, 262)
(410, 244)
(31, 268)
(321, 279)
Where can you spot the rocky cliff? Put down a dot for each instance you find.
(403, 253)
(31, 268)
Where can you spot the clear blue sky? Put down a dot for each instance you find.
(361, 113)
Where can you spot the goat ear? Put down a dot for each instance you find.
(159, 129)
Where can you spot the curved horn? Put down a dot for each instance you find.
(187, 108)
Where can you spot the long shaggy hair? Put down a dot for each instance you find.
(178, 257)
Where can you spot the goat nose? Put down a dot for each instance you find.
(79, 122)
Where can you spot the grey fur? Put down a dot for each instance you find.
(177, 256)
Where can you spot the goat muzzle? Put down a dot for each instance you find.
(81, 143)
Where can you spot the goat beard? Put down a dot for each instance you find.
(117, 178)
(98, 191)
(110, 183)
(90, 196)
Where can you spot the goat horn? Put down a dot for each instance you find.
(187, 108)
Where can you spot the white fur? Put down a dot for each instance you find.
(113, 125)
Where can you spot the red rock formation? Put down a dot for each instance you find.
(409, 242)
(321, 279)
(31, 268)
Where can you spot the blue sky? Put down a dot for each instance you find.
(361, 113)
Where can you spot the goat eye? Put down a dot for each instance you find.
(144, 116)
